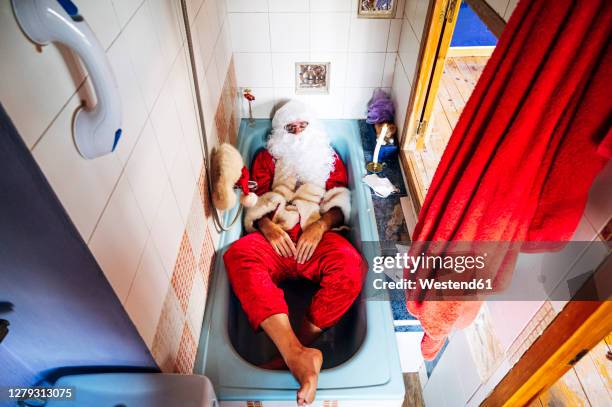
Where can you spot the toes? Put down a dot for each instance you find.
(306, 393)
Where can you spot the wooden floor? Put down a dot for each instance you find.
(588, 383)
(458, 80)
(413, 397)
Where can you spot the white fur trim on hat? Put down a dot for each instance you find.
(266, 204)
(339, 197)
(291, 111)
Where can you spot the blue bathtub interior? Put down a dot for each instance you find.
(360, 353)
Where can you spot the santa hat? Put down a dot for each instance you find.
(228, 170)
(248, 198)
(292, 111)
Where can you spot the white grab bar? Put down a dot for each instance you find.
(96, 131)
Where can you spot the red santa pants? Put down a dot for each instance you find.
(254, 270)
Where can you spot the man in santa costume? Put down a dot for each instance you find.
(293, 233)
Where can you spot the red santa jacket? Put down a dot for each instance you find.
(301, 200)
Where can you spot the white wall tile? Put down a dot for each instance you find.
(146, 54)
(329, 31)
(599, 204)
(283, 95)
(166, 126)
(289, 32)
(250, 32)
(584, 231)
(420, 14)
(35, 85)
(212, 7)
(133, 109)
(193, 8)
(399, 8)
(83, 186)
(222, 11)
(247, 6)
(409, 347)
(197, 54)
(510, 9)
(207, 28)
(390, 59)
(293, 6)
(466, 371)
(146, 174)
(400, 93)
(197, 303)
(181, 87)
(214, 84)
(409, 10)
(101, 17)
(119, 239)
(208, 107)
(394, 35)
(356, 102)
(223, 52)
(368, 35)
(146, 297)
(331, 5)
(365, 69)
(283, 68)
(328, 106)
(408, 50)
(167, 230)
(166, 20)
(337, 69)
(183, 181)
(247, 76)
(509, 318)
(125, 9)
(499, 6)
(263, 105)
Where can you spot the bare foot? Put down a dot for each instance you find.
(305, 365)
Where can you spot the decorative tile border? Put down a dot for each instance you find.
(542, 318)
(178, 330)
(184, 270)
(186, 352)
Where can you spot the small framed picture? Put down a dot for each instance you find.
(312, 77)
(376, 8)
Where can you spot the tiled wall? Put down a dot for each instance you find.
(143, 211)
(503, 7)
(515, 325)
(412, 25)
(270, 36)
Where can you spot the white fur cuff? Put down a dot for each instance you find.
(340, 198)
(266, 204)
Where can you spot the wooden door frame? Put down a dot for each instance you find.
(437, 34)
(580, 326)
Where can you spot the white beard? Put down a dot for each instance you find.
(308, 156)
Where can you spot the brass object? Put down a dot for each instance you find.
(374, 167)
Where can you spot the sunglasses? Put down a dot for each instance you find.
(293, 127)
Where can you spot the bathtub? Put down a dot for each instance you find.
(361, 361)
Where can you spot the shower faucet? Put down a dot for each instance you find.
(96, 131)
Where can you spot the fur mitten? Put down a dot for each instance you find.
(227, 169)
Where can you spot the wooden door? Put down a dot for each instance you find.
(441, 24)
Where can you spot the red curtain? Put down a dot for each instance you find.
(530, 141)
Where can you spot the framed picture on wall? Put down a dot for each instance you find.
(312, 77)
(376, 8)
